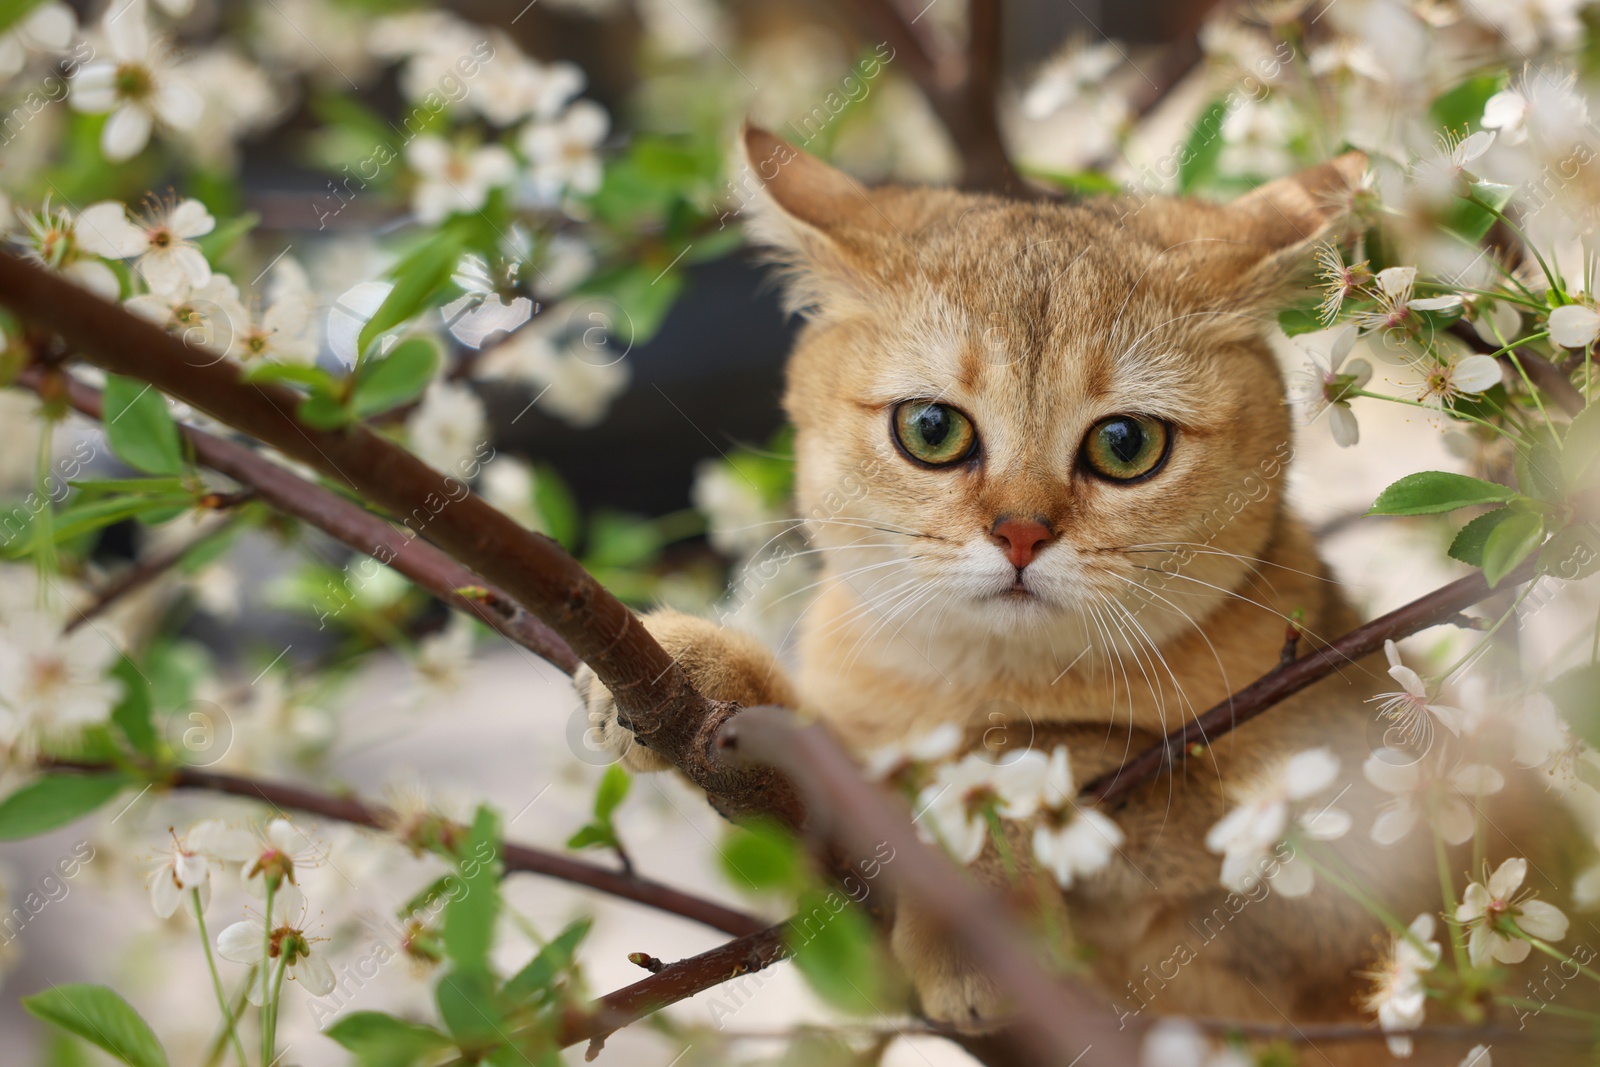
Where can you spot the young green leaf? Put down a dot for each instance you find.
(101, 1017)
(395, 378)
(13, 11)
(470, 1010)
(323, 412)
(1510, 542)
(139, 428)
(552, 961)
(1468, 545)
(1576, 695)
(469, 918)
(612, 791)
(55, 800)
(1198, 162)
(557, 507)
(1581, 445)
(418, 277)
(1435, 492)
(380, 1040)
(132, 713)
(592, 835)
(837, 953)
(762, 857)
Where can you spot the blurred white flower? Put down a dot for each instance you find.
(53, 683)
(238, 99)
(1493, 907)
(955, 807)
(576, 385)
(455, 178)
(930, 746)
(738, 521)
(1506, 112)
(160, 242)
(253, 941)
(514, 87)
(139, 84)
(270, 859)
(1177, 1042)
(1326, 384)
(208, 316)
(1410, 710)
(566, 260)
(1477, 1056)
(1398, 996)
(561, 151)
(446, 429)
(1574, 325)
(1079, 70)
(185, 866)
(50, 237)
(1070, 841)
(47, 29)
(1427, 787)
(280, 334)
(482, 311)
(443, 659)
(508, 483)
(1247, 835)
(1542, 742)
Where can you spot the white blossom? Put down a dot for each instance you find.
(1398, 996)
(1410, 710)
(1071, 841)
(1496, 912)
(561, 151)
(453, 179)
(54, 683)
(50, 237)
(1574, 325)
(253, 941)
(138, 84)
(160, 242)
(1326, 385)
(47, 30)
(927, 747)
(955, 807)
(1427, 787)
(448, 427)
(1274, 806)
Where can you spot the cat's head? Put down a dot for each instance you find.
(1012, 411)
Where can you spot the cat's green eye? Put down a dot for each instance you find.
(1126, 447)
(935, 434)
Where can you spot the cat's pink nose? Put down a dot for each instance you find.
(1020, 538)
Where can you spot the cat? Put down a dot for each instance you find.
(1073, 530)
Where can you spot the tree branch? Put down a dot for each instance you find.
(517, 858)
(1277, 685)
(1057, 1021)
(654, 697)
(343, 520)
(143, 571)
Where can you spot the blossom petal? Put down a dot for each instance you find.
(241, 942)
(104, 230)
(1542, 920)
(1342, 421)
(126, 133)
(1507, 878)
(1476, 373)
(314, 974)
(1574, 326)
(1394, 824)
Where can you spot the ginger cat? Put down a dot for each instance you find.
(1049, 404)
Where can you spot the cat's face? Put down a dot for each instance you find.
(1043, 413)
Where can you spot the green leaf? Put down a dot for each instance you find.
(470, 917)
(1581, 445)
(416, 278)
(87, 517)
(322, 412)
(1510, 542)
(132, 486)
(132, 713)
(557, 507)
(836, 951)
(1434, 492)
(13, 11)
(220, 241)
(139, 428)
(643, 293)
(617, 540)
(314, 378)
(551, 962)
(101, 1017)
(762, 857)
(1471, 219)
(467, 1005)
(1539, 472)
(380, 1040)
(396, 378)
(1468, 545)
(1576, 695)
(1573, 554)
(612, 791)
(1197, 161)
(1460, 108)
(591, 835)
(54, 801)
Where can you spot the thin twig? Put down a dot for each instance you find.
(517, 858)
(1282, 682)
(145, 570)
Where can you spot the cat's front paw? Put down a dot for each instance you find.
(722, 664)
(961, 998)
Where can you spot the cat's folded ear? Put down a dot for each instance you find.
(814, 218)
(1281, 221)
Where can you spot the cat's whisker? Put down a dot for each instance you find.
(1201, 546)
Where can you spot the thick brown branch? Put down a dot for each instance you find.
(361, 530)
(1057, 1022)
(521, 858)
(1277, 685)
(654, 697)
